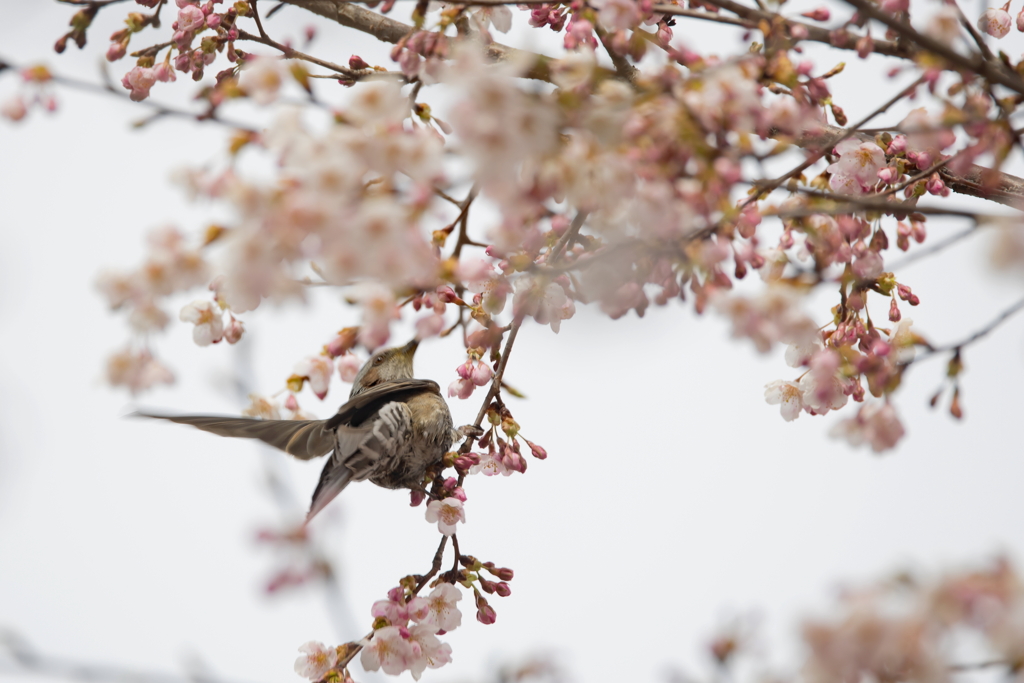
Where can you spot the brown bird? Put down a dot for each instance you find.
(392, 430)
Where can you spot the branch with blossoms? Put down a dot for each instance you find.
(620, 188)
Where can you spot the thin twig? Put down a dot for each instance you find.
(919, 254)
(983, 332)
(768, 186)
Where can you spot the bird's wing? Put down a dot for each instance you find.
(305, 439)
(373, 446)
(361, 406)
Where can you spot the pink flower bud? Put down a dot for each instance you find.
(465, 371)
(537, 451)
(233, 331)
(935, 184)
(291, 403)
(486, 614)
(356, 62)
(898, 144)
(415, 498)
(502, 589)
(819, 14)
(116, 51)
(894, 312)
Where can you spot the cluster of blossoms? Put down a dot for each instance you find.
(406, 626)
(614, 188)
(906, 630)
(36, 91)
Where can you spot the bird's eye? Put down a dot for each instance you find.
(378, 360)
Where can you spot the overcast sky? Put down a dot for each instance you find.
(673, 497)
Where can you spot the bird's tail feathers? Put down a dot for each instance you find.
(305, 439)
(333, 480)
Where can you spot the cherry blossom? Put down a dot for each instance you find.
(427, 650)
(139, 81)
(262, 78)
(787, 395)
(317, 370)
(447, 513)
(14, 108)
(386, 649)
(995, 22)
(859, 163)
(208, 320)
(348, 366)
(316, 660)
(136, 370)
(442, 611)
(875, 424)
(546, 303)
(490, 464)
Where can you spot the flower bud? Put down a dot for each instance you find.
(537, 451)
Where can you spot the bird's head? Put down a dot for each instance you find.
(389, 365)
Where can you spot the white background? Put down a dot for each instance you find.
(673, 498)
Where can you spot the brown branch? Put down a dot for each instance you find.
(623, 68)
(1001, 188)
(388, 30)
(983, 332)
(815, 34)
(995, 72)
(292, 53)
(827, 144)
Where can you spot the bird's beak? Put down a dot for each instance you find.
(410, 348)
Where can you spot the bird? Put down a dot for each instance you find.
(392, 431)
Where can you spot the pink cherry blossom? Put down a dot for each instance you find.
(447, 513)
(858, 161)
(442, 611)
(190, 18)
(546, 303)
(386, 649)
(14, 108)
(316, 660)
(139, 80)
(208, 321)
(318, 370)
(427, 650)
(463, 388)
(399, 612)
(490, 464)
(787, 395)
(136, 370)
(234, 330)
(430, 326)
(261, 79)
(876, 424)
(379, 309)
(824, 386)
(995, 22)
(348, 366)
(944, 24)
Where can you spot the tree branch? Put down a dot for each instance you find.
(388, 30)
